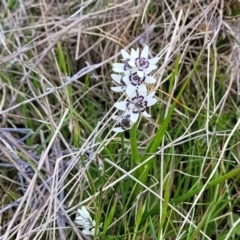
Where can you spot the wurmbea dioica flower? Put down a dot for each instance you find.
(136, 104)
(133, 79)
(135, 83)
(85, 221)
(133, 60)
(124, 121)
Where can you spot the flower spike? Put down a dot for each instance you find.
(133, 79)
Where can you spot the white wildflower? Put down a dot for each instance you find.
(85, 221)
(124, 121)
(136, 104)
(133, 82)
(124, 67)
(134, 61)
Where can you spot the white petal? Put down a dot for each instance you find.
(118, 89)
(126, 79)
(88, 232)
(150, 68)
(151, 94)
(85, 214)
(142, 88)
(127, 72)
(143, 93)
(144, 52)
(80, 218)
(125, 54)
(87, 227)
(118, 129)
(151, 101)
(146, 71)
(121, 105)
(132, 63)
(131, 90)
(153, 61)
(82, 222)
(134, 117)
(145, 114)
(83, 211)
(133, 70)
(150, 80)
(118, 67)
(116, 78)
(134, 53)
(140, 74)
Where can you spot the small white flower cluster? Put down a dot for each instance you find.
(133, 80)
(85, 221)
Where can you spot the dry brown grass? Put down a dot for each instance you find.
(37, 91)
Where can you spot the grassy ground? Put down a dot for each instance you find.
(176, 176)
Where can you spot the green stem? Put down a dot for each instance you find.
(134, 147)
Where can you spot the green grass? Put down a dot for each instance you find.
(172, 176)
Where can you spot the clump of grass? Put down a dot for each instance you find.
(56, 61)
